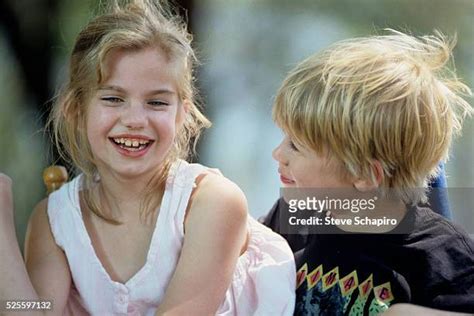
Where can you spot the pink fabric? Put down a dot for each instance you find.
(74, 305)
(263, 281)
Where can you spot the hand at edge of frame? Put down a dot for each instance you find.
(410, 309)
(6, 198)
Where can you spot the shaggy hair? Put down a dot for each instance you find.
(388, 98)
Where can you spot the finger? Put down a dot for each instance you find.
(5, 191)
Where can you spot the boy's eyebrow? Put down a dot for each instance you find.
(152, 92)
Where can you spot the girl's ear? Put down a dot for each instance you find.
(183, 111)
(186, 106)
(365, 185)
(71, 109)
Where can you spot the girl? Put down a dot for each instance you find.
(141, 231)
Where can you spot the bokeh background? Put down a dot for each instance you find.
(246, 48)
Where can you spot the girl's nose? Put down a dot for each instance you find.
(134, 116)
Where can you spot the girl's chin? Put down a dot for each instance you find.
(129, 172)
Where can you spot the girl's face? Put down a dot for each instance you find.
(300, 167)
(133, 117)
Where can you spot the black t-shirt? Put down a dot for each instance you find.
(364, 274)
(273, 220)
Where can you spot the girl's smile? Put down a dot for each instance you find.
(134, 116)
(132, 145)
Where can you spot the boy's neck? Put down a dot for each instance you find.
(388, 209)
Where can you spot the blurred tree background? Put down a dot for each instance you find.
(246, 48)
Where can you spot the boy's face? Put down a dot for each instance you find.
(302, 167)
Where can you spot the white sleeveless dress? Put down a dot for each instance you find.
(263, 282)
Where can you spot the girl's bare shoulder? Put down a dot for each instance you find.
(217, 196)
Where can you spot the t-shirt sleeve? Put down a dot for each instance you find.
(269, 219)
(296, 239)
(455, 264)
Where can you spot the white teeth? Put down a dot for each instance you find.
(132, 143)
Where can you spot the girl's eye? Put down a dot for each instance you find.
(111, 99)
(157, 103)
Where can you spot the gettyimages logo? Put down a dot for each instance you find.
(328, 204)
(316, 211)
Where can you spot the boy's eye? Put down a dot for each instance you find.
(292, 146)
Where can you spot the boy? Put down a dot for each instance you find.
(377, 115)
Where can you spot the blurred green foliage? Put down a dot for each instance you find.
(24, 152)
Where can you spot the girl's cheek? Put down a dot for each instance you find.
(166, 120)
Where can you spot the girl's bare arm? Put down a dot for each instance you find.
(46, 273)
(215, 235)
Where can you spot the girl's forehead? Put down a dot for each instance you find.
(150, 54)
(147, 68)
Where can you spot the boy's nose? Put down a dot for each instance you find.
(134, 116)
(278, 155)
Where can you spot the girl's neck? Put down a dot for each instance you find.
(124, 197)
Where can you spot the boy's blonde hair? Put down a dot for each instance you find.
(387, 98)
(129, 25)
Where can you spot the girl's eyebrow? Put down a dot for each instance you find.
(152, 92)
(116, 88)
(161, 91)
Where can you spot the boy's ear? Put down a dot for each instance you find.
(365, 185)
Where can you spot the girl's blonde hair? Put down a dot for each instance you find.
(383, 98)
(129, 25)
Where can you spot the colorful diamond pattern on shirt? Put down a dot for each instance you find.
(349, 283)
(314, 277)
(355, 297)
(301, 275)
